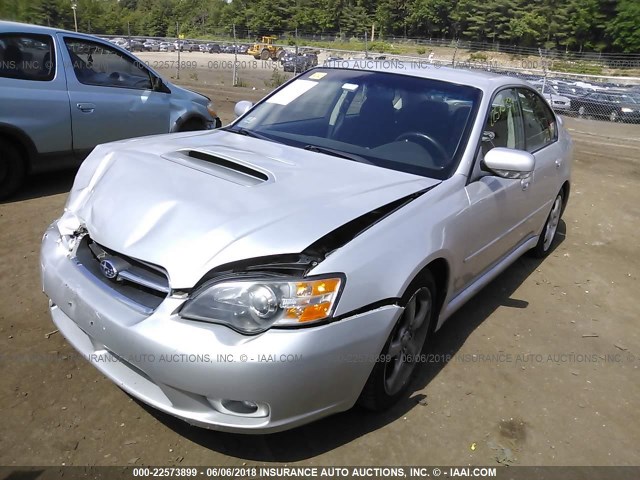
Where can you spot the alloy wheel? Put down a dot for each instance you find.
(407, 341)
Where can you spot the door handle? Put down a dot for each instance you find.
(86, 107)
(558, 163)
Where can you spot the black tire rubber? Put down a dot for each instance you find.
(191, 126)
(13, 168)
(373, 396)
(539, 251)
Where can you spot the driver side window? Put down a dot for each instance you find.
(504, 125)
(98, 64)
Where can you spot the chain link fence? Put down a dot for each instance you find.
(612, 97)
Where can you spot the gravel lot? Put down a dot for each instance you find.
(545, 359)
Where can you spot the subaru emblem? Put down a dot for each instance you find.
(109, 270)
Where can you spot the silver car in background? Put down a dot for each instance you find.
(279, 270)
(62, 93)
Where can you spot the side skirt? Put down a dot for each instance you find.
(462, 297)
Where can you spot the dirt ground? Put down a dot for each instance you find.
(544, 368)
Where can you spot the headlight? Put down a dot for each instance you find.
(627, 109)
(211, 110)
(253, 306)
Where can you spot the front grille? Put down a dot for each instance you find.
(139, 284)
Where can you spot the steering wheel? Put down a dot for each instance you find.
(431, 144)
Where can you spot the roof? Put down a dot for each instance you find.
(37, 29)
(422, 68)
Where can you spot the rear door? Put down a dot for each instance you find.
(111, 95)
(541, 140)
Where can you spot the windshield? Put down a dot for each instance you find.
(401, 122)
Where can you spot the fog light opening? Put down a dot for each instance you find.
(241, 407)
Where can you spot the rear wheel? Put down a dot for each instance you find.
(550, 229)
(12, 168)
(581, 111)
(613, 116)
(265, 54)
(391, 375)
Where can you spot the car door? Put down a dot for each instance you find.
(111, 95)
(541, 140)
(33, 92)
(490, 224)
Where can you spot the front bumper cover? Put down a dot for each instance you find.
(188, 369)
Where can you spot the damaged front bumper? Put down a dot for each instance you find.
(207, 374)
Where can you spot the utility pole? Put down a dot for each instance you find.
(74, 7)
(366, 47)
(235, 58)
(295, 63)
(179, 45)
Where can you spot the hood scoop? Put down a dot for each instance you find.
(218, 166)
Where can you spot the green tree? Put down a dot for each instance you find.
(624, 28)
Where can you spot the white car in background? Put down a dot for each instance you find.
(167, 47)
(558, 102)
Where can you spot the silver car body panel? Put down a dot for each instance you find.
(152, 200)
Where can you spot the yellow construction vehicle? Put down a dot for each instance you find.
(266, 50)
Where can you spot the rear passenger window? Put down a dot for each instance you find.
(98, 64)
(539, 121)
(27, 57)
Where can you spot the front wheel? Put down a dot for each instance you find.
(613, 116)
(550, 229)
(394, 369)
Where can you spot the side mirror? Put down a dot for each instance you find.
(509, 163)
(242, 107)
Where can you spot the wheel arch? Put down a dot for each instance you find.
(440, 271)
(21, 140)
(565, 189)
(194, 117)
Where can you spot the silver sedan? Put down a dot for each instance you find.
(296, 262)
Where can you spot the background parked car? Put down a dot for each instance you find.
(558, 102)
(213, 48)
(185, 46)
(63, 93)
(300, 63)
(151, 46)
(167, 47)
(614, 106)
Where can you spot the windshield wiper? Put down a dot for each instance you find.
(248, 133)
(338, 153)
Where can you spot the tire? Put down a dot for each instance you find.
(279, 55)
(265, 54)
(613, 116)
(581, 111)
(392, 373)
(550, 229)
(13, 168)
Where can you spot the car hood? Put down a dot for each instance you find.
(150, 200)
